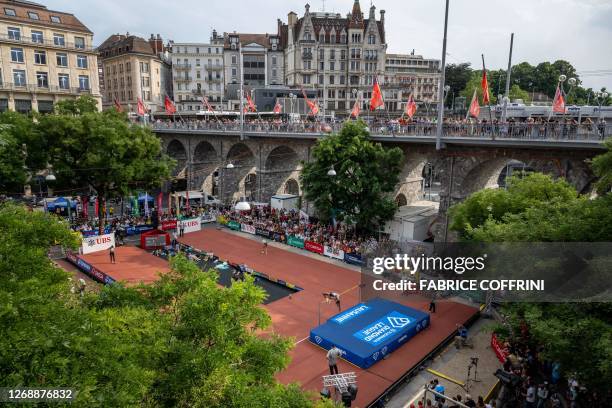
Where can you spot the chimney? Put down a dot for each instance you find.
(382, 17)
(291, 19)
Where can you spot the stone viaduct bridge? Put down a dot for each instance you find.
(269, 161)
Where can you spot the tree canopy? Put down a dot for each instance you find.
(183, 341)
(366, 173)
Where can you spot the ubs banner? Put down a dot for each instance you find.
(192, 224)
(98, 243)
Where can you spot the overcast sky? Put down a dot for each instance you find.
(579, 31)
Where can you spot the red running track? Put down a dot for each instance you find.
(296, 315)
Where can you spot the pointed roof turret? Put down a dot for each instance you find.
(356, 16)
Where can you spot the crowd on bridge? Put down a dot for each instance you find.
(531, 128)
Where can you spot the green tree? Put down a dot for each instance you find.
(602, 167)
(13, 172)
(79, 106)
(103, 151)
(457, 76)
(183, 341)
(366, 173)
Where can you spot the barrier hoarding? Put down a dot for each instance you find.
(313, 247)
(262, 232)
(333, 252)
(98, 243)
(295, 241)
(168, 225)
(234, 225)
(250, 229)
(354, 259)
(191, 224)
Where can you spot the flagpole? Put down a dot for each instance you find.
(442, 83)
(507, 96)
(484, 70)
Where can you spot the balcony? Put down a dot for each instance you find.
(180, 67)
(51, 89)
(307, 55)
(198, 92)
(183, 79)
(25, 40)
(214, 80)
(213, 67)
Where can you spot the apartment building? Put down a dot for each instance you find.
(133, 68)
(197, 72)
(45, 56)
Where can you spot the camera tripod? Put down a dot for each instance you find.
(469, 380)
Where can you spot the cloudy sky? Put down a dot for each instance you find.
(579, 31)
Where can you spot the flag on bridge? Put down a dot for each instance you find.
(169, 105)
(485, 88)
(206, 104)
(159, 203)
(250, 103)
(314, 107)
(558, 105)
(474, 106)
(278, 108)
(377, 97)
(355, 112)
(118, 107)
(141, 107)
(411, 107)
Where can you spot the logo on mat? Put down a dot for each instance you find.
(384, 350)
(418, 328)
(375, 356)
(318, 340)
(398, 322)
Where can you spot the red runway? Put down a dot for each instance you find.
(295, 316)
(133, 265)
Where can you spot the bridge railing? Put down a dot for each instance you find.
(515, 131)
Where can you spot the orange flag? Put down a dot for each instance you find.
(474, 106)
(377, 98)
(141, 107)
(559, 102)
(411, 107)
(251, 104)
(205, 103)
(355, 112)
(485, 88)
(314, 107)
(169, 105)
(278, 108)
(118, 106)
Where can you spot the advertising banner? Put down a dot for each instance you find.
(500, 351)
(313, 247)
(207, 218)
(98, 243)
(333, 252)
(234, 225)
(354, 259)
(168, 225)
(192, 224)
(295, 241)
(247, 228)
(263, 232)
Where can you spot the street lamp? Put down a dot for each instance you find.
(50, 177)
(229, 165)
(331, 172)
(600, 99)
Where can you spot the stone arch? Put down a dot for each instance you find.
(177, 151)
(401, 200)
(205, 163)
(413, 176)
(250, 186)
(233, 180)
(282, 164)
(292, 187)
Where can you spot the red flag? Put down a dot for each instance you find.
(118, 106)
(159, 203)
(169, 105)
(411, 107)
(474, 106)
(485, 88)
(205, 102)
(559, 102)
(187, 204)
(169, 204)
(278, 108)
(85, 205)
(314, 107)
(251, 104)
(355, 111)
(141, 107)
(96, 207)
(377, 98)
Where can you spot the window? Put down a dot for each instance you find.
(198, 75)
(82, 61)
(42, 79)
(342, 80)
(40, 57)
(306, 79)
(342, 54)
(233, 72)
(342, 66)
(332, 38)
(197, 62)
(83, 82)
(307, 64)
(371, 39)
(120, 68)
(274, 60)
(10, 12)
(197, 50)
(14, 33)
(332, 66)
(37, 37)
(33, 15)
(307, 36)
(63, 81)
(144, 66)
(273, 72)
(321, 79)
(55, 19)
(322, 54)
(58, 39)
(332, 79)
(17, 54)
(128, 66)
(19, 77)
(321, 66)
(233, 59)
(79, 42)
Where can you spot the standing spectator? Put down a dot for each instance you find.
(458, 399)
(181, 229)
(111, 252)
(469, 401)
(542, 395)
(432, 304)
(332, 359)
(530, 395)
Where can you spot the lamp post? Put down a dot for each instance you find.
(600, 99)
(442, 79)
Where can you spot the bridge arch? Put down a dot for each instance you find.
(205, 163)
(292, 187)
(177, 151)
(401, 200)
(281, 171)
(234, 179)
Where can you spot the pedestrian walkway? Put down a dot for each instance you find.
(453, 364)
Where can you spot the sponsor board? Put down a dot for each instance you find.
(383, 328)
(295, 241)
(353, 259)
(350, 314)
(207, 218)
(191, 224)
(249, 229)
(168, 225)
(262, 232)
(313, 247)
(234, 225)
(98, 243)
(333, 252)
